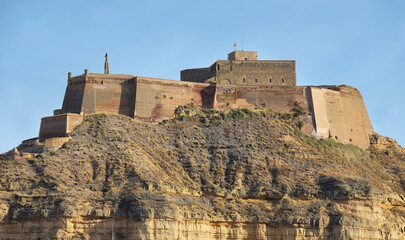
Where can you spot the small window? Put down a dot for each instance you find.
(350, 139)
(255, 80)
(245, 59)
(218, 67)
(270, 80)
(244, 80)
(282, 80)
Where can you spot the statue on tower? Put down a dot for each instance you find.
(106, 67)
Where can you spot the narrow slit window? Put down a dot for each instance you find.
(244, 80)
(218, 67)
(282, 80)
(270, 80)
(255, 80)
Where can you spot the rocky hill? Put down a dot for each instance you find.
(235, 174)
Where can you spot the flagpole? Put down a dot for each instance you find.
(242, 41)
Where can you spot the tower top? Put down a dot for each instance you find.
(242, 55)
(106, 66)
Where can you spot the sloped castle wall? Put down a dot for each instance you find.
(340, 113)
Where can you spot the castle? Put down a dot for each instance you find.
(242, 81)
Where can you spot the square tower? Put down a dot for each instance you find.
(243, 68)
(242, 55)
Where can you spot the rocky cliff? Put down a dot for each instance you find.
(208, 174)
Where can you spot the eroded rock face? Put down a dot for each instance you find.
(249, 175)
(128, 228)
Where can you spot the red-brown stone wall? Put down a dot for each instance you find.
(156, 99)
(59, 125)
(340, 114)
(73, 101)
(280, 99)
(336, 111)
(93, 93)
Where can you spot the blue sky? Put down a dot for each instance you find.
(357, 43)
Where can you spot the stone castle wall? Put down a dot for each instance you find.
(156, 99)
(196, 75)
(271, 73)
(59, 125)
(280, 99)
(340, 113)
(335, 111)
(94, 93)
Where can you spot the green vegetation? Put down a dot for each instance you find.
(208, 115)
(182, 113)
(298, 110)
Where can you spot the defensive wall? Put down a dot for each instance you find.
(340, 114)
(336, 111)
(333, 111)
(58, 125)
(156, 99)
(149, 99)
(92, 93)
(278, 98)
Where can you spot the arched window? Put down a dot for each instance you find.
(282, 80)
(255, 80)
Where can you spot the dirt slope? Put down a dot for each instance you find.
(238, 174)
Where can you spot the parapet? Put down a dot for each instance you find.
(98, 78)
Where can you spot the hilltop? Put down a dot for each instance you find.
(206, 174)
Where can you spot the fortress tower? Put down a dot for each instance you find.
(243, 68)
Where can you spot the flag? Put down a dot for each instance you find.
(234, 45)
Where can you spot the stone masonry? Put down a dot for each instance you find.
(242, 81)
(243, 68)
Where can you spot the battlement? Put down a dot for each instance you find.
(98, 78)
